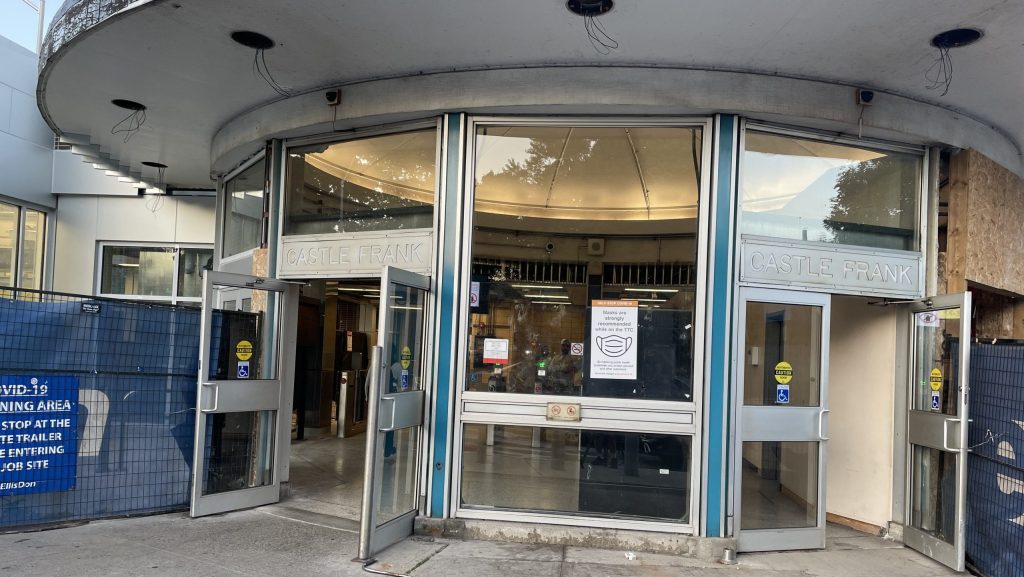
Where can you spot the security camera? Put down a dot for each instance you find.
(333, 97)
(549, 246)
(865, 97)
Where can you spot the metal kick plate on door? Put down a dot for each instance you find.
(563, 412)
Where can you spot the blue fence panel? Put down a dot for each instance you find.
(135, 365)
(995, 467)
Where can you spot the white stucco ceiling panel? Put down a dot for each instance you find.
(177, 58)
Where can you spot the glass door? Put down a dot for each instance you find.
(243, 361)
(399, 366)
(937, 429)
(781, 441)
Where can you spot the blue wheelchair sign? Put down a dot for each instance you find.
(243, 369)
(782, 394)
(936, 401)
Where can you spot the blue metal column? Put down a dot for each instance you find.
(446, 283)
(720, 330)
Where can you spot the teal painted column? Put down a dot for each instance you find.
(446, 286)
(720, 327)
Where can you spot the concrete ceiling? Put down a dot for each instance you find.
(176, 56)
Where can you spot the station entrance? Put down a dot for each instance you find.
(347, 435)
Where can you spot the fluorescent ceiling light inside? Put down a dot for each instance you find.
(650, 290)
(565, 296)
(536, 286)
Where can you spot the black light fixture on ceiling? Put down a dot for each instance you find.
(131, 124)
(940, 73)
(160, 169)
(590, 10)
(260, 43)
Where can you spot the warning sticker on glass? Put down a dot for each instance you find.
(613, 331)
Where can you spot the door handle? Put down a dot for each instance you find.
(390, 426)
(821, 424)
(216, 397)
(945, 435)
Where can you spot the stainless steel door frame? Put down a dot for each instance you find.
(390, 412)
(236, 396)
(940, 432)
(781, 424)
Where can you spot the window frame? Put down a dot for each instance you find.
(432, 123)
(676, 417)
(223, 211)
(21, 211)
(920, 216)
(173, 298)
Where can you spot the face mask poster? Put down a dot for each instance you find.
(613, 332)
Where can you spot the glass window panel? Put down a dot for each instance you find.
(243, 221)
(370, 184)
(137, 271)
(803, 189)
(783, 355)
(936, 350)
(8, 243)
(33, 235)
(241, 341)
(564, 217)
(404, 351)
(933, 492)
(398, 474)
(780, 485)
(191, 264)
(599, 473)
(239, 451)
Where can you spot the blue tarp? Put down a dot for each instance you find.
(995, 467)
(136, 366)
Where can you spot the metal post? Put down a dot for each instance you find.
(39, 33)
(366, 518)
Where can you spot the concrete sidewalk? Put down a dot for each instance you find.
(282, 541)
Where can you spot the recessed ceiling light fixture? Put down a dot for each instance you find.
(260, 43)
(130, 124)
(253, 40)
(590, 10)
(957, 38)
(152, 164)
(940, 73)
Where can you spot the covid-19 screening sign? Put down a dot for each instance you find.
(38, 434)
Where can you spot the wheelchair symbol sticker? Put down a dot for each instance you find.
(243, 369)
(936, 401)
(782, 394)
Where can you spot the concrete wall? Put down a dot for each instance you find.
(861, 393)
(84, 221)
(26, 143)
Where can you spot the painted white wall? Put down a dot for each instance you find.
(862, 368)
(26, 143)
(84, 221)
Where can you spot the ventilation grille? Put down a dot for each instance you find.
(651, 274)
(531, 271)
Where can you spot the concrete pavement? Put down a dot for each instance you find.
(284, 541)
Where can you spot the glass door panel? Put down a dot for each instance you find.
(242, 355)
(783, 421)
(937, 435)
(398, 368)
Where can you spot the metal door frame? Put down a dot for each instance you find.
(373, 537)
(239, 395)
(780, 539)
(953, 555)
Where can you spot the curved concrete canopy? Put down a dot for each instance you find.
(178, 59)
